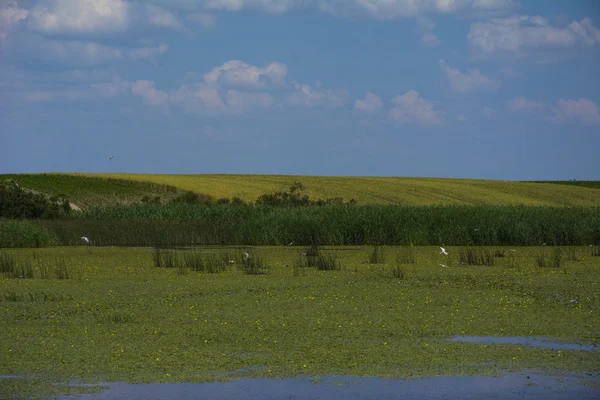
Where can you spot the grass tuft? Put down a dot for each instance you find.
(472, 256)
(377, 256)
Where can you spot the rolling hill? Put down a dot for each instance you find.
(89, 189)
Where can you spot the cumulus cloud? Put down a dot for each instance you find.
(379, 9)
(425, 29)
(10, 16)
(161, 17)
(412, 108)
(147, 90)
(521, 104)
(90, 53)
(80, 16)
(489, 112)
(206, 20)
(465, 82)
(240, 74)
(83, 92)
(304, 95)
(371, 104)
(580, 110)
(531, 38)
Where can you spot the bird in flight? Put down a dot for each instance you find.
(86, 239)
(443, 251)
(110, 157)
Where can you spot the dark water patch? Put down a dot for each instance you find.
(526, 341)
(508, 386)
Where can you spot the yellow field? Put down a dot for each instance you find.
(379, 190)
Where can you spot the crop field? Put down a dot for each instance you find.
(127, 188)
(102, 314)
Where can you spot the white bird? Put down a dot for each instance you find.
(443, 265)
(110, 157)
(246, 256)
(443, 251)
(86, 239)
(291, 243)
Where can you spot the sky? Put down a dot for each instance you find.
(490, 89)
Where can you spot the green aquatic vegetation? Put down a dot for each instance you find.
(120, 318)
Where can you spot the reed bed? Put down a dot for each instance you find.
(183, 224)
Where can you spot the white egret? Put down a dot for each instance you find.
(443, 251)
(246, 256)
(86, 239)
(443, 265)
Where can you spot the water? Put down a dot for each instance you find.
(508, 386)
(526, 341)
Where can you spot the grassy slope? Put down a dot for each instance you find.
(382, 190)
(125, 188)
(90, 191)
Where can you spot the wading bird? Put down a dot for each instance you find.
(246, 256)
(86, 239)
(443, 251)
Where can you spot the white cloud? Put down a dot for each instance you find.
(521, 104)
(80, 16)
(379, 9)
(304, 95)
(411, 108)
(239, 74)
(10, 16)
(161, 17)
(581, 110)
(86, 92)
(89, 53)
(531, 38)
(425, 29)
(241, 102)
(489, 112)
(208, 21)
(510, 73)
(371, 104)
(147, 90)
(430, 40)
(198, 99)
(471, 81)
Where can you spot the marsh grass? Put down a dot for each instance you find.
(193, 261)
(255, 265)
(377, 256)
(126, 322)
(35, 297)
(61, 271)
(116, 317)
(406, 255)
(165, 259)
(596, 251)
(214, 264)
(471, 256)
(44, 268)
(12, 270)
(554, 260)
(327, 262)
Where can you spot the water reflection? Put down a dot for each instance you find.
(508, 386)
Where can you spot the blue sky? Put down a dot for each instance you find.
(494, 89)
